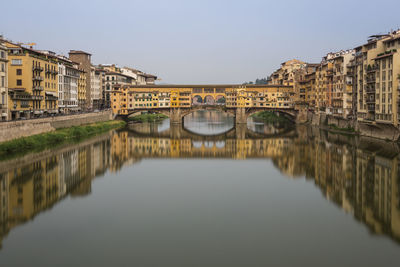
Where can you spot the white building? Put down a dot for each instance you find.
(96, 88)
(68, 76)
(164, 99)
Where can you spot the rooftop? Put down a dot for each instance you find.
(79, 52)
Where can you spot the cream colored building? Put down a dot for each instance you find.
(285, 75)
(4, 114)
(376, 72)
(68, 79)
(96, 88)
(341, 97)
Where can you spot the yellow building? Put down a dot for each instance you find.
(82, 89)
(32, 82)
(125, 99)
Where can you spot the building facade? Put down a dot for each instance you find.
(84, 60)
(96, 88)
(126, 99)
(68, 79)
(32, 82)
(4, 113)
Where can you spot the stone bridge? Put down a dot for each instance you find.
(240, 115)
(178, 131)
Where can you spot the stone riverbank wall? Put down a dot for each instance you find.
(375, 130)
(15, 129)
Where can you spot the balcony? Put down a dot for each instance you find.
(370, 79)
(25, 105)
(370, 90)
(37, 68)
(370, 100)
(371, 107)
(37, 88)
(50, 97)
(372, 68)
(37, 97)
(21, 96)
(37, 78)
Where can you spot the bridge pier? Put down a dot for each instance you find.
(240, 116)
(175, 116)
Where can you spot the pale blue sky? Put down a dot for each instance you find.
(207, 41)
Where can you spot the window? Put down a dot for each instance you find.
(17, 62)
(19, 82)
(19, 71)
(3, 68)
(3, 82)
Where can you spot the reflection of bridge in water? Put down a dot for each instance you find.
(178, 131)
(362, 178)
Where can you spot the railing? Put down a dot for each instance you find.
(372, 68)
(370, 89)
(38, 88)
(21, 97)
(370, 100)
(371, 107)
(38, 68)
(37, 78)
(37, 97)
(51, 98)
(370, 79)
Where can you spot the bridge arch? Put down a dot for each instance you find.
(289, 114)
(209, 100)
(197, 100)
(220, 99)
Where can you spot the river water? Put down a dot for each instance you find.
(205, 194)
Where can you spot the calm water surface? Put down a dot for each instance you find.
(205, 194)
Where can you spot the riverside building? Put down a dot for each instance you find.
(32, 82)
(3, 83)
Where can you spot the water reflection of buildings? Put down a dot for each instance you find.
(363, 181)
(26, 189)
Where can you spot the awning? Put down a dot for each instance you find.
(51, 93)
(4, 114)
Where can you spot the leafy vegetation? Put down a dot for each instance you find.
(259, 81)
(41, 141)
(269, 116)
(148, 117)
(347, 129)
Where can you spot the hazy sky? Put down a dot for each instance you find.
(207, 41)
